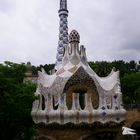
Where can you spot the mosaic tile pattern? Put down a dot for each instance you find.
(76, 80)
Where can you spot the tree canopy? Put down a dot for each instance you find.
(15, 103)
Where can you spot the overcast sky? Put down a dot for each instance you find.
(109, 29)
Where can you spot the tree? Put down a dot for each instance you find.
(131, 88)
(102, 68)
(15, 103)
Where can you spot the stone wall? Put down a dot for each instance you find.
(131, 117)
(81, 133)
(76, 134)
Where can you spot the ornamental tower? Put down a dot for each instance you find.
(63, 32)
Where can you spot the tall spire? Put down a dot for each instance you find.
(63, 32)
(63, 4)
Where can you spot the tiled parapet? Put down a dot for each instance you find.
(76, 114)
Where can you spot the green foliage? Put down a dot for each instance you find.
(103, 68)
(131, 88)
(15, 103)
(47, 68)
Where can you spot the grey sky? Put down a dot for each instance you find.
(109, 29)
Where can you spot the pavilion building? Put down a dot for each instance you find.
(75, 93)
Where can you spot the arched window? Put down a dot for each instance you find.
(82, 100)
(43, 102)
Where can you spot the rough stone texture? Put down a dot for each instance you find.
(80, 134)
(131, 117)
